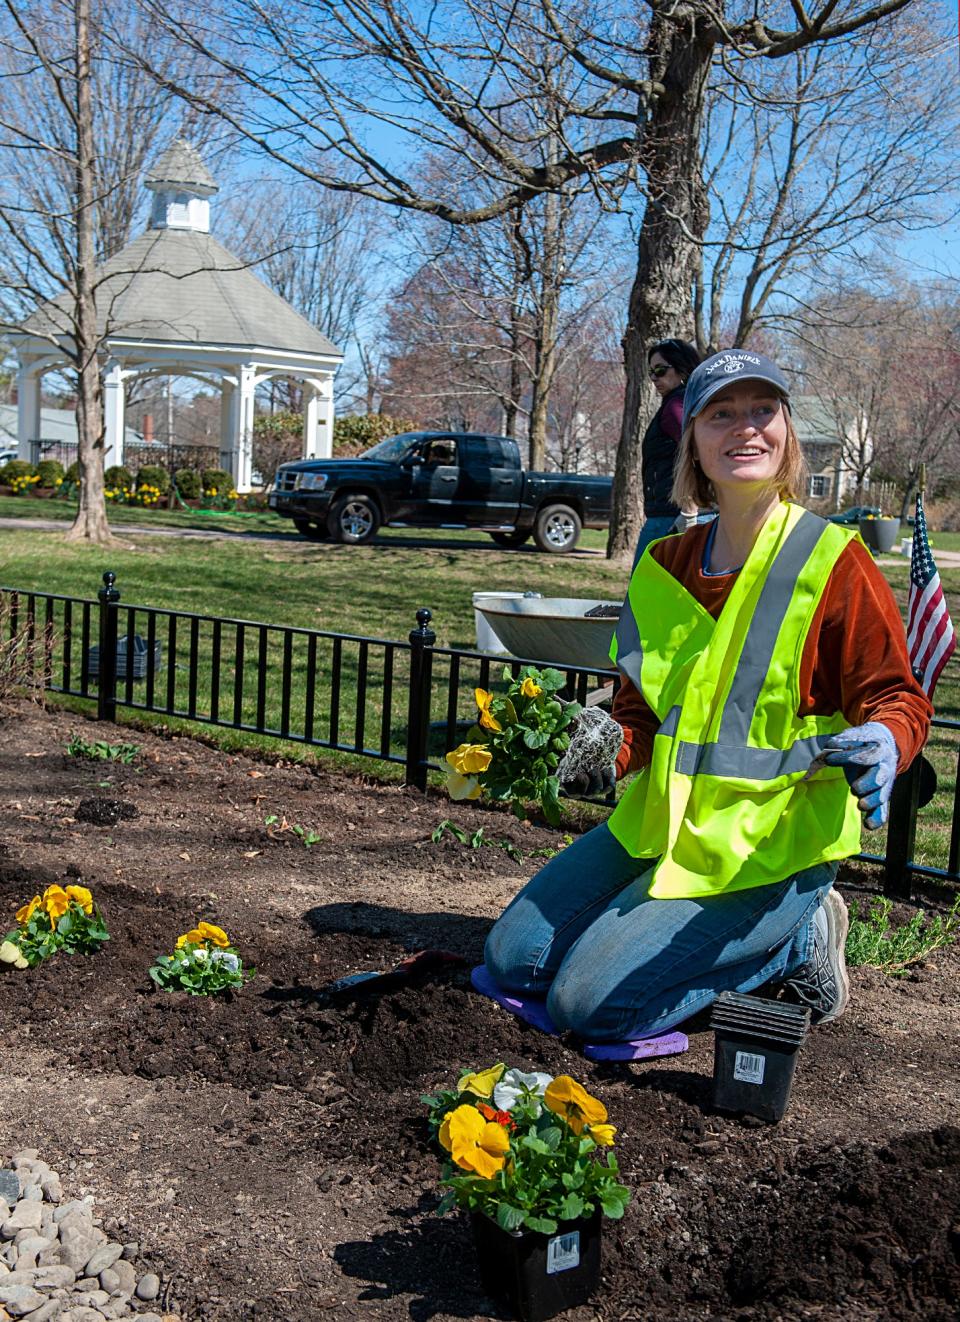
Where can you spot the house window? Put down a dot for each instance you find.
(819, 485)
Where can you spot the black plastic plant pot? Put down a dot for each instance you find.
(539, 1275)
(755, 1054)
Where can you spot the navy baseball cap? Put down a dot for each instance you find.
(721, 369)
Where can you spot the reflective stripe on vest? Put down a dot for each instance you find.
(724, 801)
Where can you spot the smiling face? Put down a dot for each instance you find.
(664, 377)
(740, 436)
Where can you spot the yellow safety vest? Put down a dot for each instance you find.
(724, 803)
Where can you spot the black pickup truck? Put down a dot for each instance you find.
(440, 480)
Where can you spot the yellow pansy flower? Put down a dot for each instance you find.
(482, 1082)
(567, 1098)
(192, 938)
(461, 787)
(215, 936)
(55, 903)
(530, 690)
(487, 718)
(475, 1144)
(603, 1134)
(82, 897)
(26, 913)
(469, 759)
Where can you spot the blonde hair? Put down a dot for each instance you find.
(691, 486)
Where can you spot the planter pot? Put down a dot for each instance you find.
(880, 534)
(539, 1275)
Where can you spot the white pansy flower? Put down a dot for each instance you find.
(230, 960)
(200, 955)
(514, 1084)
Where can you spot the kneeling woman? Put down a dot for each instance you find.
(765, 677)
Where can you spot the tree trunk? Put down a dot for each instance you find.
(668, 258)
(91, 521)
(545, 366)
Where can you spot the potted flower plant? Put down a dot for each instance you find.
(513, 751)
(881, 531)
(530, 1158)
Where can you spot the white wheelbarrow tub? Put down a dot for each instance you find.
(552, 629)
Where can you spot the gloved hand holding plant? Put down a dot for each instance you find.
(513, 752)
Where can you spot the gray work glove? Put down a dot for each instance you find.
(589, 764)
(868, 754)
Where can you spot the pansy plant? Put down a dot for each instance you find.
(513, 751)
(62, 918)
(526, 1149)
(203, 963)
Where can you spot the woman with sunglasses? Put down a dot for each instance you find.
(670, 363)
(767, 704)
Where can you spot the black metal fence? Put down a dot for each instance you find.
(402, 702)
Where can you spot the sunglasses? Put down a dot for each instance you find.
(660, 370)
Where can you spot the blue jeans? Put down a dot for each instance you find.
(615, 964)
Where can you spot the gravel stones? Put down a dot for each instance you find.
(56, 1262)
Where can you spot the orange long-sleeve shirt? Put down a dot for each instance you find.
(854, 658)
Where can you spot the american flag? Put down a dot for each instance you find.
(930, 634)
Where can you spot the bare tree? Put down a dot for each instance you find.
(77, 127)
(886, 366)
(325, 76)
(818, 164)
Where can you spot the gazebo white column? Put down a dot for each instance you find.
(318, 418)
(113, 414)
(28, 410)
(236, 443)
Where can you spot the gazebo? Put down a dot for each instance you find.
(175, 302)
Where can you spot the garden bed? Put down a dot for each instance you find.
(268, 1152)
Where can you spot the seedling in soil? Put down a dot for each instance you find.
(881, 944)
(101, 751)
(477, 840)
(304, 834)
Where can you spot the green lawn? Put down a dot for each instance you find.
(373, 591)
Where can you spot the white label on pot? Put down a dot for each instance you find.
(563, 1252)
(748, 1068)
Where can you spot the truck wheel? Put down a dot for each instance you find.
(314, 532)
(557, 529)
(354, 519)
(510, 539)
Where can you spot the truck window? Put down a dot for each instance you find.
(442, 451)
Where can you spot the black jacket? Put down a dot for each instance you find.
(657, 457)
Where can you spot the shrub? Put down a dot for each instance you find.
(50, 473)
(152, 475)
(356, 432)
(118, 477)
(73, 473)
(216, 481)
(16, 468)
(187, 481)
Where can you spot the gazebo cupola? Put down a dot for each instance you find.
(182, 186)
(175, 302)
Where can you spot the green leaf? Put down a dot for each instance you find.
(509, 1217)
(536, 738)
(551, 1136)
(571, 1207)
(544, 1224)
(613, 1204)
(535, 1144)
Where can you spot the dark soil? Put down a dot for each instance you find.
(268, 1149)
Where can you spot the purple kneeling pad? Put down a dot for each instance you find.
(533, 1011)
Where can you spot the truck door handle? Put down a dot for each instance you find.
(447, 479)
(506, 479)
